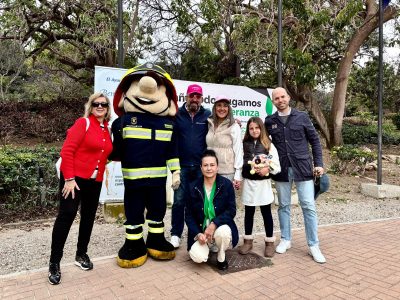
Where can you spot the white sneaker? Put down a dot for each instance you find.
(317, 255)
(283, 246)
(175, 241)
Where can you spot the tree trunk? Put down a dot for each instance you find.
(133, 29)
(304, 95)
(342, 77)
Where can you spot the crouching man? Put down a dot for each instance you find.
(210, 213)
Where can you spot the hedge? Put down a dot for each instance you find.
(368, 134)
(28, 177)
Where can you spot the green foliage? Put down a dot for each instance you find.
(298, 8)
(306, 70)
(311, 42)
(350, 152)
(396, 120)
(184, 18)
(345, 16)
(20, 183)
(368, 134)
(43, 85)
(210, 11)
(249, 26)
(11, 65)
(349, 159)
(59, 39)
(209, 26)
(324, 100)
(366, 117)
(363, 89)
(200, 62)
(320, 18)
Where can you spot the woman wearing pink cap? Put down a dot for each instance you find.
(225, 138)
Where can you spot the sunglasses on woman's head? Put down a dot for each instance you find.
(97, 104)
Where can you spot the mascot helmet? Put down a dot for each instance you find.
(138, 72)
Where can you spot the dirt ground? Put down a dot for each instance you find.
(345, 186)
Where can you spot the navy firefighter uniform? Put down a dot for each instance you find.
(146, 103)
(147, 147)
(150, 138)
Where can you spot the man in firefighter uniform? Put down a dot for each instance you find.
(146, 102)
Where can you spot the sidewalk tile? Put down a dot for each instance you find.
(355, 269)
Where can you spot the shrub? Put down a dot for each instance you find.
(361, 134)
(349, 159)
(396, 120)
(366, 117)
(28, 177)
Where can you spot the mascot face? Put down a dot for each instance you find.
(146, 89)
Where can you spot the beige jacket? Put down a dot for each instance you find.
(227, 144)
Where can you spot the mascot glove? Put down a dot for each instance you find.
(176, 180)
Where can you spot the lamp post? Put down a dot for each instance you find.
(380, 93)
(280, 43)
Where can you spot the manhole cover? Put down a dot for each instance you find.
(238, 262)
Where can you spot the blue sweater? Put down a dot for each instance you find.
(190, 135)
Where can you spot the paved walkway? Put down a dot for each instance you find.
(363, 263)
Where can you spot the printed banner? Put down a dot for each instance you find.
(245, 102)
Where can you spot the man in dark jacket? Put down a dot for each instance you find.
(210, 213)
(292, 132)
(190, 132)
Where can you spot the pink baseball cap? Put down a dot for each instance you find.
(194, 89)
(222, 98)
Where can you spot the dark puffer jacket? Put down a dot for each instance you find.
(224, 206)
(250, 150)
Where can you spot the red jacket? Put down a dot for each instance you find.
(84, 150)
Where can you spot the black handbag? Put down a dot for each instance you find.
(321, 185)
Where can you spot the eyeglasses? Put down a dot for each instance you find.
(102, 104)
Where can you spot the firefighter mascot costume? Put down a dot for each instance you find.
(146, 103)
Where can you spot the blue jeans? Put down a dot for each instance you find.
(305, 191)
(188, 176)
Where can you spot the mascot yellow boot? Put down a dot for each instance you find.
(144, 142)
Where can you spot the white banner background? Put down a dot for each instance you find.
(245, 103)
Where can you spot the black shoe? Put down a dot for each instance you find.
(222, 265)
(54, 273)
(83, 261)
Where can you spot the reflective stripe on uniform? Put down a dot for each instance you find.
(153, 222)
(134, 236)
(156, 229)
(173, 164)
(144, 172)
(163, 135)
(136, 133)
(133, 226)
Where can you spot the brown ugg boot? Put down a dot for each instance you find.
(247, 244)
(269, 246)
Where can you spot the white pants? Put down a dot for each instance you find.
(223, 240)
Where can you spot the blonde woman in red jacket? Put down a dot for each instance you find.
(84, 156)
